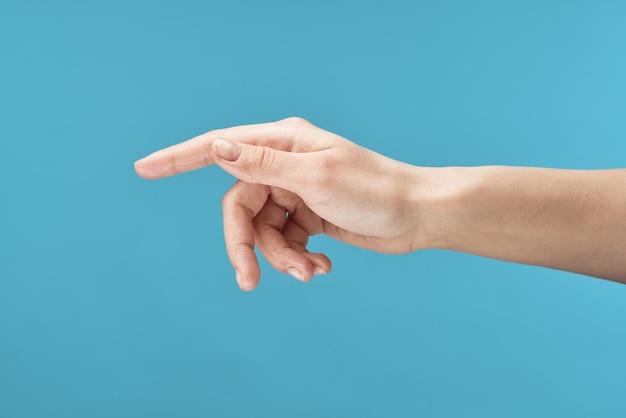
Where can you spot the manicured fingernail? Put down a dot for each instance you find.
(295, 273)
(239, 279)
(227, 150)
(319, 270)
(137, 164)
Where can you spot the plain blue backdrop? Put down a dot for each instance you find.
(116, 295)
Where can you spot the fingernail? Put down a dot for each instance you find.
(319, 270)
(227, 150)
(295, 273)
(139, 162)
(239, 279)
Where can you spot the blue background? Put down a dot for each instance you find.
(116, 295)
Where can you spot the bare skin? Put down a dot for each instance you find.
(297, 180)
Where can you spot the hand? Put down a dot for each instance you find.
(297, 180)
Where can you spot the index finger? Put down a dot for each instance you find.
(196, 152)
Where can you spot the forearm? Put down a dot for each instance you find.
(297, 180)
(564, 219)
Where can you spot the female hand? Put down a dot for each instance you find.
(297, 180)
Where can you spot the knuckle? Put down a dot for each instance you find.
(241, 248)
(262, 159)
(173, 163)
(230, 198)
(292, 128)
(294, 121)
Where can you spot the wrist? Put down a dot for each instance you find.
(436, 202)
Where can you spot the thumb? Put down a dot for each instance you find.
(259, 164)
